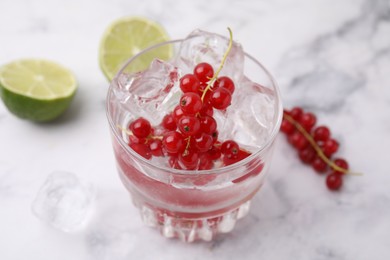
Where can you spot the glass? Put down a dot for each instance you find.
(190, 205)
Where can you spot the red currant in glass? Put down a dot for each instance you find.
(221, 98)
(189, 83)
(169, 123)
(321, 133)
(307, 121)
(214, 153)
(230, 148)
(177, 113)
(188, 125)
(140, 127)
(142, 149)
(156, 147)
(334, 181)
(205, 163)
(190, 103)
(204, 142)
(208, 124)
(342, 164)
(319, 165)
(188, 159)
(329, 147)
(173, 142)
(225, 82)
(204, 72)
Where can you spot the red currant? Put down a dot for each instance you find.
(230, 148)
(205, 163)
(298, 140)
(140, 127)
(329, 147)
(204, 142)
(307, 121)
(177, 113)
(214, 153)
(224, 82)
(142, 149)
(321, 133)
(207, 110)
(208, 124)
(169, 123)
(173, 142)
(319, 165)
(296, 113)
(307, 155)
(189, 83)
(188, 125)
(334, 181)
(221, 98)
(155, 147)
(204, 72)
(188, 159)
(287, 127)
(191, 103)
(342, 164)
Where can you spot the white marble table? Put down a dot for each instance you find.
(332, 57)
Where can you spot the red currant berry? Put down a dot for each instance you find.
(224, 82)
(169, 123)
(307, 121)
(329, 147)
(188, 125)
(142, 149)
(321, 133)
(319, 165)
(287, 127)
(215, 135)
(188, 159)
(204, 142)
(230, 148)
(173, 142)
(140, 127)
(221, 98)
(177, 113)
(240, 156)
(156, 147)
(342, 164)
(204, 72)
(298, 140)
(205, 163)
(334, 181)
(214, 153)
(296, 113)
(190, 103)
(307, 155)
(189, 83)
(207, 110)
(135, 140)
(208, 124)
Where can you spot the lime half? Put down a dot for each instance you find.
(38, 90)
(125, 38)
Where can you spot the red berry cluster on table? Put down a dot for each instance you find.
(315, 145)
(189, 136)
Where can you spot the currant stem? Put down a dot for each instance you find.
(129, 133)
(215, 76)
(316, 147)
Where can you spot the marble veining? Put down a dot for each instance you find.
(331, 57)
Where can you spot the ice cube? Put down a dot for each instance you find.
(64, 201)
(201, 46)
(250, 117)
(149, 93)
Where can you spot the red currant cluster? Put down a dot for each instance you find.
(189, 135)
(314, 144)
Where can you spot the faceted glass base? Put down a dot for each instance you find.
(191, 229)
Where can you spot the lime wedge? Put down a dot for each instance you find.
(125, 38)
(34, 89)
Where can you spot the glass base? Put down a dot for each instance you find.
(191, 229)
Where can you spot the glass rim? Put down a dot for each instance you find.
(228, 168)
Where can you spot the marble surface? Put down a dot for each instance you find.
(332, 57)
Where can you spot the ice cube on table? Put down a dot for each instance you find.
(149, 93)
(64, 201)
(201, 46)
(250, 117)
